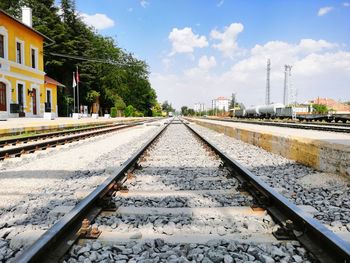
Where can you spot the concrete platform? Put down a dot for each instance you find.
(20, 125)
(324, 151)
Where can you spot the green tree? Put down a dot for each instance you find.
(129, 111)
(157, 110)
(167, 107)
(320, 108)
(184, 110)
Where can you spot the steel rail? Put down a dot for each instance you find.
(325, 245)
(47, 135)
(56, 241)
(17, 151)
(313, 126)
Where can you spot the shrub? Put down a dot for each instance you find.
(138, 114)
(113, 112)
(129, 111)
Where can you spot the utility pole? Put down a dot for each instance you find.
(286, 89)
(267, 96)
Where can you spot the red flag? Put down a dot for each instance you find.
(77, 76)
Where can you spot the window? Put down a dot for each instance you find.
(20, 95)
(19, 52)
(2, 46)
(33, 55)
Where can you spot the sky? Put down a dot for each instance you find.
(199, 50)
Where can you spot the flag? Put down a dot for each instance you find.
(74, 82)
(77, 76)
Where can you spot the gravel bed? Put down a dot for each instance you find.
(181, 184)
(203, 200)
(171, 164)
(170, 224)
(213, 251)
(328, 193)
(50, 178)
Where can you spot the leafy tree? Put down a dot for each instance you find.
(92, 95)
(129, 111)
(184, 110)
(167, 107)
(157, 110)
(320, 108)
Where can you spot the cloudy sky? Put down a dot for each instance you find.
(201, 49)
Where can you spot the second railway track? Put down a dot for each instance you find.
(181, 199)
(17, 147)
(331, 127)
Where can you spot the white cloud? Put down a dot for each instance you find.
(144, 3)
(206, 63)
(184, 40)
(319, 69)
(228, 39)
(324, 10)
(346, 4)
(98, 21)
(220, 3)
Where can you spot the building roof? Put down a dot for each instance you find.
(221, 98)
(331, 103)
(28, 27)
(52, 81)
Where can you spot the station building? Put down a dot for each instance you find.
(25, 91)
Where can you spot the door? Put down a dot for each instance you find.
(34, 101)
(3, 106)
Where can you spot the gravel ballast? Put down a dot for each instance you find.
(34, 185)
(178, 164)
(328, 193)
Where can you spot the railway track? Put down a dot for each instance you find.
(179, 198)
(18, 146)
(334, 127)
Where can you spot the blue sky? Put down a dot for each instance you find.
(201, 49)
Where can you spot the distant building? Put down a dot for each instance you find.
(332, 104)
(199, 107)
(220, 103)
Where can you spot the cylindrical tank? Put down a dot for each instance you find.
(252, 111)
(239, 113)
(270, 109)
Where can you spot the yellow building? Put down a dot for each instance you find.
(23, 91)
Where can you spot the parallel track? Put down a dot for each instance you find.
(63, 137)
(336, 127)
(321, 242)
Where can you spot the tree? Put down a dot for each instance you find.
(157, 110)
(129, 111)
(166, 106)
(320, 108)
(184, 110)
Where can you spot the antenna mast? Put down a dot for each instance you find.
(267, 96)
(286, 90)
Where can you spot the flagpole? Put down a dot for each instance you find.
(73, 93)
(78, 79)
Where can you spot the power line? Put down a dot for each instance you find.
(111, 62)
